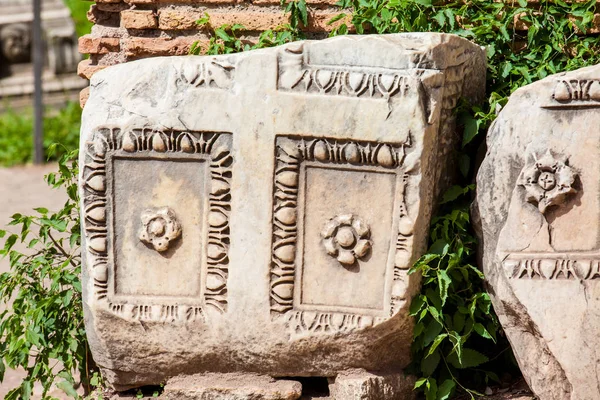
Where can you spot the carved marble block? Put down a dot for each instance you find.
(259, 212)
(539, 205)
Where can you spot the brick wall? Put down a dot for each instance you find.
(128, 30)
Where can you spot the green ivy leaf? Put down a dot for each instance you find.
(445, 389)
(458, 321)
(439, 247)
(220, 32)
(25, 390)
(430, 363)
(60, 225)
(419, 328)
(433, 297)
(431, 332)
(420, 382)
(482, 331)
(336, 18)
(431, 389)
(14, 394)
(457, 344)
(303, 11)
(470, 358)
(444, 282)
(506, 69)
(440, 18)
(471, 129)
(438, 340)
(416, 305)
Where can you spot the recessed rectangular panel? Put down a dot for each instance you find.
(342, 199)
(341, 234)
(156, 214)
(146, 186)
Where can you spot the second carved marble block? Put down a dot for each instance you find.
(259, 212)
(538, 197)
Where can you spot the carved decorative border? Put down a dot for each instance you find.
(213, 74)
(575, 93)
(295, 74)
(552, 266)
(107, 142)
(290, 154)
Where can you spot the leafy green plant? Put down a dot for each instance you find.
(298, 11)
(16, 133)
(453, 313)
(42, 331)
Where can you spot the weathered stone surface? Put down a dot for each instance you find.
(293, 189)
(231, 387)
(361, 385)
(538, 200)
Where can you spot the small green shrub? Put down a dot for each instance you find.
(16, 134)
(43, 331)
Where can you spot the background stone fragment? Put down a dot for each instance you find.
(538, 210)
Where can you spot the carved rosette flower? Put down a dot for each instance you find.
(346, 238)
(159, 228)
(547, 181)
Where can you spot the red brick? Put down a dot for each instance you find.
(137, 47)
(313, 3)
(93, 45)
(112, 7)
(101, 17)
(179, 18)
(251, 20)
(86, 69)
(138, 19)
(184, 18)
(84, 95)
